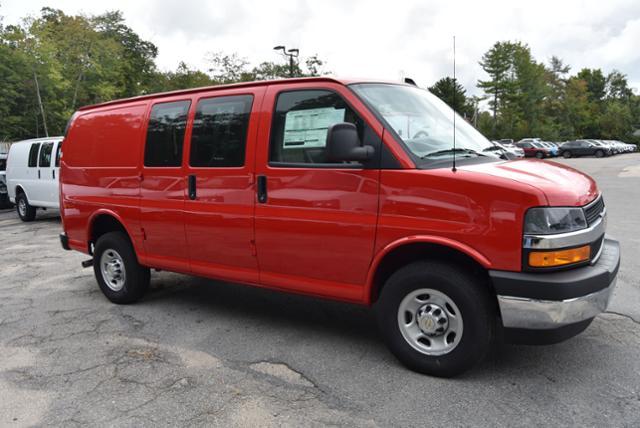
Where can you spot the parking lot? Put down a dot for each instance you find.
(201, 352)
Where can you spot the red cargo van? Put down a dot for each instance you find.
(344, 190)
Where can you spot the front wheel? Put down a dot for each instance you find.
(566, 154)
(435, 318)
(539, 155)
(599, 153)
(26, 212)
(120, 277)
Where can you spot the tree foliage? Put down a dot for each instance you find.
(68, 61)
(530, 99)
(53, 63)
(454, 94)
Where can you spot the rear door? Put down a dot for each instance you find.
(163, 186)
(221, 187)
(41, 187)
(584, 148)
(315, 221)
(28, 179)
(55, 174)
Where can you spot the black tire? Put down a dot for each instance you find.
(469, 294)
(539, 155)
(566, 154)
(26, 212)
(135, 280)
(599, 153)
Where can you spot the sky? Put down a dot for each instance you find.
(377, 39)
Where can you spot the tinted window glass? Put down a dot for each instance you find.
(219, 134)
(301, 122)
(3, 164)
(58, 153)
(33, 154)
(165, 134)
(45, 155)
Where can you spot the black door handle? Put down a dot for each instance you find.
(262, 189)
(38, 174)
(53, 174)
(192, 187)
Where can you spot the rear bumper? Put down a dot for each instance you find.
(64, 241)
(550, 307)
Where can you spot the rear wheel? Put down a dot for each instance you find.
(566, 154)
(435, 318)
(25, 211)
(539, 155)
(599, 153)
(120, 277)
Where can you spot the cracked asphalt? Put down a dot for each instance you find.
(201, 352)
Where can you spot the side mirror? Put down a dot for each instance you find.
(343, 144)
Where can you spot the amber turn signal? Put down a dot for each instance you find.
(559, 258)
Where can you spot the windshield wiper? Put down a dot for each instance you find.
(451, 150)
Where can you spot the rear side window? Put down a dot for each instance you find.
(219, 135)
(58, 153)
(45, 155)
(301, 122)
(33, 154)
(165, 134)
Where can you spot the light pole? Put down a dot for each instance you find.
(291, 53)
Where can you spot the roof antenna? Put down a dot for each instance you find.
(453, 168)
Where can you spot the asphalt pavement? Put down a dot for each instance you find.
(201, 352)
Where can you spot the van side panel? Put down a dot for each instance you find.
(100, 168)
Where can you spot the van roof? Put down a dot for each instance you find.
(35, 140)
(234, 85)
(216, 87)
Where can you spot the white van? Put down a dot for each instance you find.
(32, 175)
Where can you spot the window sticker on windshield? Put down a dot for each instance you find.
(308, 128)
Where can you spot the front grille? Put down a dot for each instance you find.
(595, 249)
(593, 211)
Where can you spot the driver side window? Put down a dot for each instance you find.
(300, 124)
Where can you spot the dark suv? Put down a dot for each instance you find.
(583, 148)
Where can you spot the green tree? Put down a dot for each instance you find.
(137, 56)
(498, 64)
(454, 94)
(183, 78)
(596, 83)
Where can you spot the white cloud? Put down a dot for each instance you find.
(380, 39)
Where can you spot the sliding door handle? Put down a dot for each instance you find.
(262, 189)
(192, 187)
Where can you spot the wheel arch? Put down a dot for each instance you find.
(104, 221)
(18, 189)
(414, 248)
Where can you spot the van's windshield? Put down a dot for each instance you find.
(424, 122)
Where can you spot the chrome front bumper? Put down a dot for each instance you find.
(548, 301)
(534, 314)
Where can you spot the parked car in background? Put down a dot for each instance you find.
(553, 149)
(512, 152)
(533, 149)
(506, 141)
(32, 175)
(4, 195)
(584, 148)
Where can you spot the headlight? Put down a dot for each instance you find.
(546, 221)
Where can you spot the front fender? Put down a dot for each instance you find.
(426, 239)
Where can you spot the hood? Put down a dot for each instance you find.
(562, 185)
